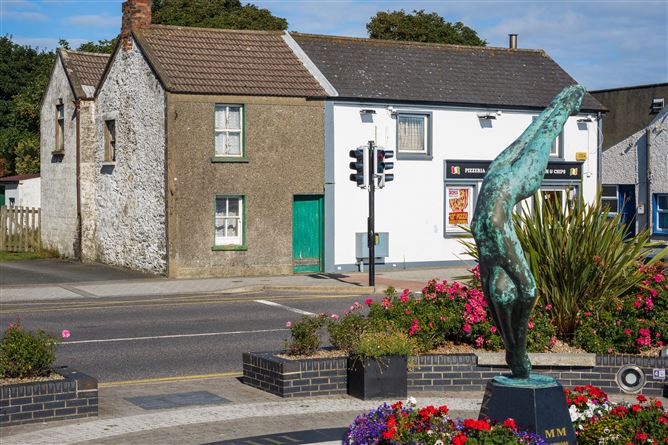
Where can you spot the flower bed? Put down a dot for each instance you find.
(595, 419)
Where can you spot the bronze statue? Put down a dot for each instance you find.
(513, 176)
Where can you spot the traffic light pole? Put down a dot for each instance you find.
(371, 235)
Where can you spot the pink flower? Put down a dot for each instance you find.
(334, 317)
(386, 303)
(548, 307)
(467, 328)
(637, 304)
(65, 333)
(479, 341)
(553, 341)
(408, 312)
(587, 314)
(658, 278)
(649, 304)
(652, 292)
(627, 331)
(531, 325)
(492, 329)
(442, 318)
(368, 301)
(288, 324)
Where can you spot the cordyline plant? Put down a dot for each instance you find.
(578, 254)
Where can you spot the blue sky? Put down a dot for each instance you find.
(601, 43)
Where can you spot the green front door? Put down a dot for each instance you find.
(307, 230)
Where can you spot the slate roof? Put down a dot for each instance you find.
(217, 61)
(84, 70)
(423, 72)
(18, 178)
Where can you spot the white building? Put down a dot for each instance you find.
(20, 191)
(446, 111)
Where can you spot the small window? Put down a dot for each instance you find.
(60, 128)
(657, 105)
(661, 213)
(110, 140)
(413, 135)
(229, 221)
(228, 131)
(609, 198)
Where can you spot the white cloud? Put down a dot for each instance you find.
(46, 43)
(94, 21)
(23, 16)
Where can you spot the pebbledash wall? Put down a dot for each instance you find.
(437, 372)
(412, 207)
(58, 171)
(73, 397)
(130, 227)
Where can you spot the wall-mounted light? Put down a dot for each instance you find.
(487, 116)
(367, 111)
(59, 101)
(585, 120)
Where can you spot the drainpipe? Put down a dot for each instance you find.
(648, 182)
(77, 106)
(599, 150)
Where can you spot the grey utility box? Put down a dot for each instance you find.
(382, 245)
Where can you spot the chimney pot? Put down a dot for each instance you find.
(136, 14)
(512, 41)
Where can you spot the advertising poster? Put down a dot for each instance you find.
(459, 208)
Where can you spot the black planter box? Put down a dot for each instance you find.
(371, 378)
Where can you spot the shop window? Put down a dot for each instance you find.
(609, 198)
(229, 223)
(110, 140)
(414, 135)
(459, 206)
(229, 137)
(660, 213)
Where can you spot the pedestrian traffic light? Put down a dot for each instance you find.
(382, 166)
(361, 175)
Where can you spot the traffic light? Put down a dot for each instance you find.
(382, 166)
(360, 166)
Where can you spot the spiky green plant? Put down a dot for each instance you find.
(579, 255)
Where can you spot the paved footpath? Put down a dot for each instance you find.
(244, 414)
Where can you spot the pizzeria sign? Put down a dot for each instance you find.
(477, 169)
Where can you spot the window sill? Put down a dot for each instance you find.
(58, 152)
(108, 163)
(404, 156)
(231, 247)
(223, 159)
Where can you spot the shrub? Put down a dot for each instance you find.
(25, 354)
(377, 344)
(345, 330)
(306, 335)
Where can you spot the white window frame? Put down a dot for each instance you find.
(240, 130)
(609, 197)
(427, 138)
(237, 240)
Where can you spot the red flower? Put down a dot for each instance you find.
(443, 410)
(641, 436)
(636, 408)
(397, 405)
(389, 434)
(510, 423)
(641, 398)
(368, 301)
(658, 403)
(459, 439)
(479, 425)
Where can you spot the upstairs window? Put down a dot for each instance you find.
(412, 133)
(60, 129)
(228, 131)
(110, 140)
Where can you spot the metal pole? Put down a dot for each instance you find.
(371, 236)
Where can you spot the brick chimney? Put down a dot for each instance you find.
(136, 14)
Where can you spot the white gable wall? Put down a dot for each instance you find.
(411, 208)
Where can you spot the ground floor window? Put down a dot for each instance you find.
(459, 205)
(229, 224)
(609, 198)
(661, 213)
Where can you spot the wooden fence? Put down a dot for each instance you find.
(19, 229)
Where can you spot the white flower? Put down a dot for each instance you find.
(411, 401)
(438, 442)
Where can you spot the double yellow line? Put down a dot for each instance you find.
(168, 379)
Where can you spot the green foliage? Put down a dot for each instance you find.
(306, 335)
(228, 14)
(347, 330)
(101, 46)
(380, 343)
(420, 27)
(26, 354)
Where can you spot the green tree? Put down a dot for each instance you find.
(229, 14)
(420, 27)
(101, 46)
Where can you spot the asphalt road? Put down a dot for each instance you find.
(120, 339)
(55, 271)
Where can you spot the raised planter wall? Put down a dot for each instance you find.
(441, 372)
(75, 396)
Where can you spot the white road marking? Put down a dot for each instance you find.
(154, 337)
(282, 306)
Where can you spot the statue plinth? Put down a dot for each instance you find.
(537, 404)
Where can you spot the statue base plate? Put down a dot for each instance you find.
(537, 404)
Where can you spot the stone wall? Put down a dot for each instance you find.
(58, 172)
(130, 229)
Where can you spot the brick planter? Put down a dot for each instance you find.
(443, 372)
(73, 397)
